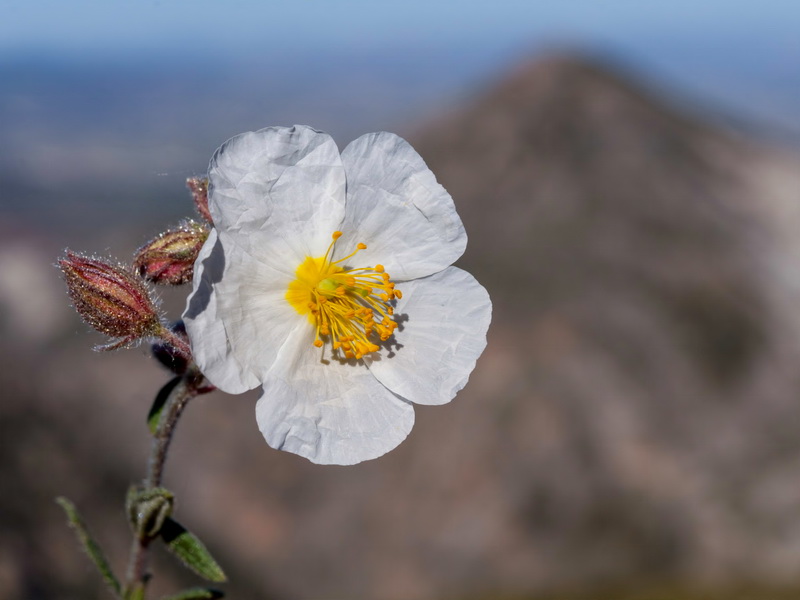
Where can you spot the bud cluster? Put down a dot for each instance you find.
(116, 300)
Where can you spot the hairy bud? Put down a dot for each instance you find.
(110, 298)
(169, 258)
(148, 509)
(199, 189)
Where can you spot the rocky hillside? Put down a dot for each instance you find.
(644, 267)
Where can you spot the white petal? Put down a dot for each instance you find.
(396, 207)
(329, 413)
(237, 316)
(291, 178)
(447, 315)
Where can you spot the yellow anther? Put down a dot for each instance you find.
(398, 293)
(343, 301)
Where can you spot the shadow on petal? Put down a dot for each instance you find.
(213, 267)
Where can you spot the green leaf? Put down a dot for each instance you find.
(196, 594)
(190, 550)
(154, 416)
(89, 545)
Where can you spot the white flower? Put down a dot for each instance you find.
(327, 281)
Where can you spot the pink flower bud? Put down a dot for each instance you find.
(110, 298)
(199, 188)
(169, 258)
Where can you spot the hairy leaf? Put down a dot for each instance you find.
(91, 547)
(186, 546)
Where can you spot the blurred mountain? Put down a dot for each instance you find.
(644, 269)
(635, 420)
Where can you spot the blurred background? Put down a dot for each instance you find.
(629, 176)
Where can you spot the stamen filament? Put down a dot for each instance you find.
(347, 306)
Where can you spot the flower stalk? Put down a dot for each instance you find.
(189, 386)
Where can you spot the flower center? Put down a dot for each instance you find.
(348, 307)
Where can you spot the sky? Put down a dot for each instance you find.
(709, 46)
(236, 25)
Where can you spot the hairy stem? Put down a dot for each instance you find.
(178, 343)
(137, 576)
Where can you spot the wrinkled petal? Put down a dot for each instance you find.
(444, 319)
(237, 317)
(276, 196)
(397, 208)
(329, 413)
(289, 177)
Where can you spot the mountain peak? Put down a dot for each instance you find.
(563, 142)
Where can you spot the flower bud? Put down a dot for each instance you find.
(110, 298)
(148, 509)
(169, 258)
(199, 188)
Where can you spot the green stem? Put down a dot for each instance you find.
(137, 576)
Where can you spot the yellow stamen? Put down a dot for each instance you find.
(346, 306)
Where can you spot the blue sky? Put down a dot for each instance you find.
(240, 25)
(738, 54)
